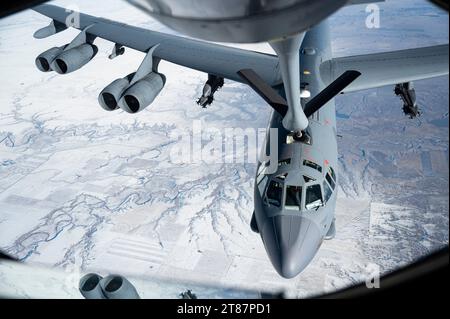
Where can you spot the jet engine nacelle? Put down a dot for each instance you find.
(118, 287)
(45, 59)
(110, 95)
(89, 287)
(93, 286)
(142, 93)
(75, 58)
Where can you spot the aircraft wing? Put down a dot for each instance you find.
(210, 58)
(389, 68)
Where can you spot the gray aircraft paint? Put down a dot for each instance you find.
(291, 238)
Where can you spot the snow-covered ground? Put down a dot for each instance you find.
(86, 189)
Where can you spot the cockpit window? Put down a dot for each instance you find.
(312, 165)
(262, 184)
(293, 197)
(333, 175)
(327, 191)
(262, 168)
(274, 193)
(308, 179)
(330, 180)
(313, 197)
(284, 162)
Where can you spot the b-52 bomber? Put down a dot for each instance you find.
(295, 187)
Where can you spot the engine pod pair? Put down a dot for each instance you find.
(94, 286)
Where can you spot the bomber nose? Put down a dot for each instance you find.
(296, 241)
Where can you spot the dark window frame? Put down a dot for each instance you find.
(330, 181)
(270, 200)
(326, 195)
(289, 206)
(307, 192)
(312, 165)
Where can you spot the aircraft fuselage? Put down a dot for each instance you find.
(294, 207)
